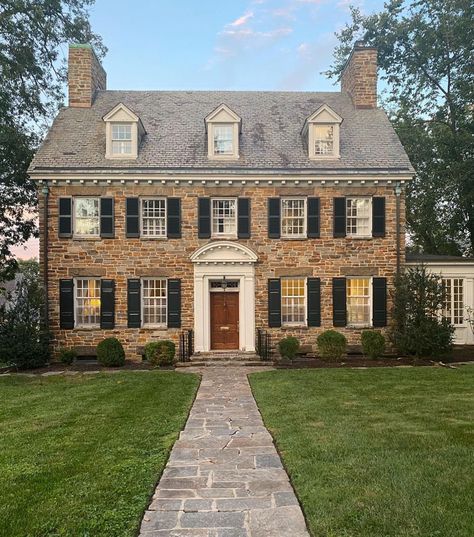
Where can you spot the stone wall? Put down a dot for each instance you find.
(85, 76)
(359, 77)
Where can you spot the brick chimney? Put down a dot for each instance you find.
(85, 76)
(359, 77)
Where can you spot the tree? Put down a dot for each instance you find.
(425, 52)
(32, 73)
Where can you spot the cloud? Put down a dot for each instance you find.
(241, 21)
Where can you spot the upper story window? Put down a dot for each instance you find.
(123, 133)
(224, 217)
(358, 301)
(453, 309)
(358, 217)
(86, 217)
(293, 217)
(223, 129)
(321, 131)
(153, 217)
(87, 302)
(293, 301)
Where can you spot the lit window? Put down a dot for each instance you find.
(223, 139)
(154, 302)
(87, 217)
(154, 218)
(453, 309)
(323, 139)
(358, 217)
(293, 217)
(293, 301)
(87, 292)
(358, 301)
(121, 139)
(224, 217)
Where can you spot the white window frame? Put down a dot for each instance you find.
(76, 303)
(359, 235)
(112, 139)
(451, 279)
(316, 139)
(304, 233)
(142, 303)
(232, 235)
(142, 234)
(305, 302)
(370, 321)
(75, 234)
(230, 126)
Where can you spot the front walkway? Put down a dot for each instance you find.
(224, 477)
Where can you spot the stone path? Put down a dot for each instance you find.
(224, 477)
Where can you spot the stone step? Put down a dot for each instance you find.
(223, 363)
(225, 356)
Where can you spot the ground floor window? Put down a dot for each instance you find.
(293, 301)
(358, 302)
(453, 309)
(154, 301)
(87, 302)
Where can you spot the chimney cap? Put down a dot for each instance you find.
(361, 44)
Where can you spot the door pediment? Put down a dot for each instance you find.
(224, 252)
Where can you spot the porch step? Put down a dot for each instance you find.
(225, 363)
(225, 356)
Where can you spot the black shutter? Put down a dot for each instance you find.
(243, 221)
(107, 218)
(204, 218)
(132, 218)
(66, 304)
(65, 217)
(134, 303)
(274, 302)
(107, 304)
(313, 218)
(174, 218)
(314, 301)
(339, 314)
(339, 217)
(378, 217)
(174, 303)
(379, 306)
(274, 218)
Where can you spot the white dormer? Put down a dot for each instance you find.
(123, 132)
(321, 130)
(223, 129)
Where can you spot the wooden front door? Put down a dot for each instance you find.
(224, 321)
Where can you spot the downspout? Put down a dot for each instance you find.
(45, 192)
(398, 191)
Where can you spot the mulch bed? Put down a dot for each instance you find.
(89, 365)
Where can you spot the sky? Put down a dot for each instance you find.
(222, 45)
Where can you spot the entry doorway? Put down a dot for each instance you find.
(224, 320)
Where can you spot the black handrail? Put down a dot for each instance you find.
(264, 344)
(186, 345)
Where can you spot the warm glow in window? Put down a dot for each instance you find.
(87, 302)
(358, 217)
(154, 302)
(86, 216)
(121, 139)
(293, 301)
(293, 218)
(224, 217)
(154, 217)
(223, 139)
(323, 139)
(358, 301)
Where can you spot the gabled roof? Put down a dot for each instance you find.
(222, 109)
(329, 111)
(123, 113)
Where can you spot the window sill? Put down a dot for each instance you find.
(147, 238)
(359, 237)
(294, 326)
(79, 238)
(294, 238)
(87, 328)
(359, 326)
(155, 328)
(224, 237)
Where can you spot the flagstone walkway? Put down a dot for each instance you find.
(224, 477)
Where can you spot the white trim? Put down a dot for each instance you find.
(236, 219)
(355, 235)
(305, 299)
(151, 198)
(370, 324)
(303, 235)
(91, 325)
(88, 235)
(151, 325)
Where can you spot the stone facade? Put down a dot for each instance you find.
(121, 258)
(359, 77)
(85, 76)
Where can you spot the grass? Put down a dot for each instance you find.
(80, 455)
(378, 452)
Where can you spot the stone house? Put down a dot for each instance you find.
(219, 212)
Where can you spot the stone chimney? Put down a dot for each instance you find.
(85, 76)
(359, 77)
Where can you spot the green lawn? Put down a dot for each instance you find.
(378, 452)
(80, 456)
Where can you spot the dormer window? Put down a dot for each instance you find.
(223, 129)
(124, 132)
(321, 132)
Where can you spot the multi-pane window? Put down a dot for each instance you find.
(154, 217)
(87, 217)
(224, 217)
(293, 301)
(358, 301)
(453, 309)
(358, 212)
(323, 140)
(121, 139)
(223, 139)
(154, 301)
(87, 291)
(293, 217)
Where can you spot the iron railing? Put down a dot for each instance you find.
(186, 345)
(264, 345)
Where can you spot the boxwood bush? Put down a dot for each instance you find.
(160, 353)
(373, 344)
(110, 352)
(331, 345)
(67, 356)
(288, 347)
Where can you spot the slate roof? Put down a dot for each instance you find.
(176, 138)
(433, 258)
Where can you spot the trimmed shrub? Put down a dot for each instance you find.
(288, 347)
(110, 352)
(373, 344)
(332, 345)
(67, 356)
(160, 353)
